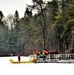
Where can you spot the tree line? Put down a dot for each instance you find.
(52, 27)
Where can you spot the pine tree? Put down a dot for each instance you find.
(1, 15)
(16, 28)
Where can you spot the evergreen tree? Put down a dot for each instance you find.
(1, 15)
(16, 28)
(28, 13)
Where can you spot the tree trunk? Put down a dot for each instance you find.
(44, 27)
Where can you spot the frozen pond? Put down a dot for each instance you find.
(7, 68)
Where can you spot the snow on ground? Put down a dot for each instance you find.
(5, 60)
(7, 68)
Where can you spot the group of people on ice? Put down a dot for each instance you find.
(45, 52)
(42, 53)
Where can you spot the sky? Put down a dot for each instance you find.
(9, 6)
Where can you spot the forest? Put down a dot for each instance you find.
(51, 27)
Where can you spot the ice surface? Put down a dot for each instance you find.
(7, 68)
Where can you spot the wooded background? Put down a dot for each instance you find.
(52, 27)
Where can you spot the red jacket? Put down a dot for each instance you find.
(46, 52)
(18, 54)
(37, 52)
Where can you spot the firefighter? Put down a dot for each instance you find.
(34, 53)
(43, 55)
(19, 57)
(37, 52)
(46, 52)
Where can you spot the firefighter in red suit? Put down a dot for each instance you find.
(46, 52)
(19, 57)
(37, 52)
